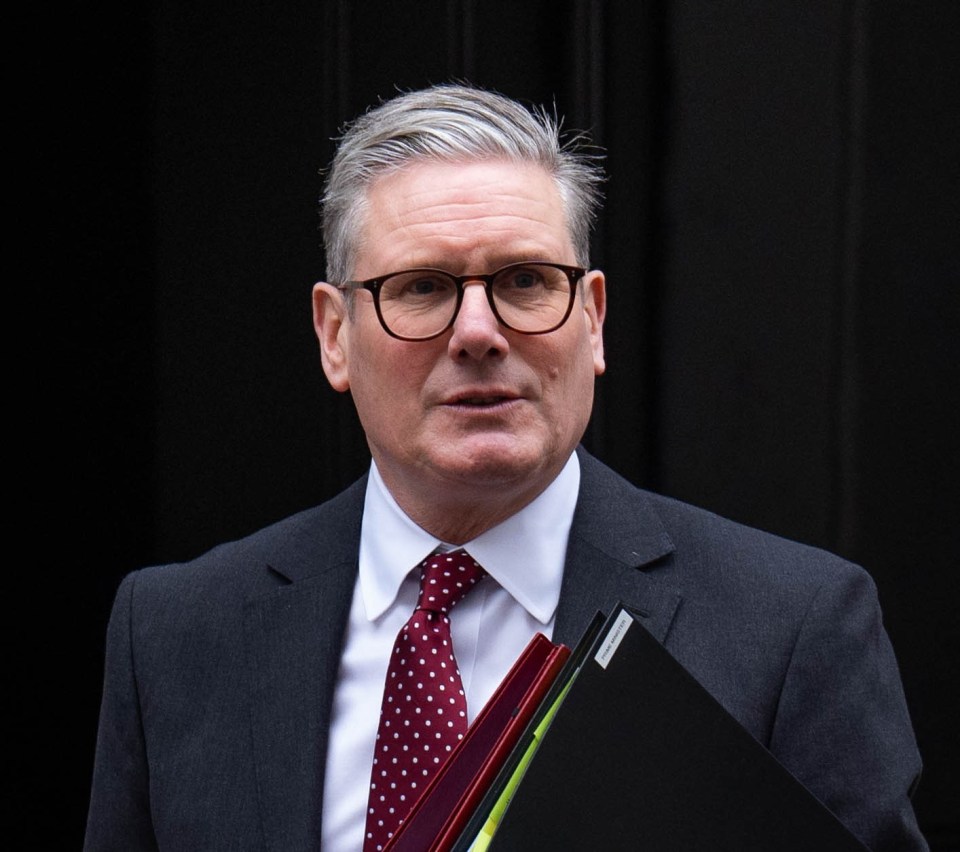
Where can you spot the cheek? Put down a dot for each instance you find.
(567, 366)
(570, 377)
(387, 375)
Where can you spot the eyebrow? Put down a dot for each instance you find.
(489, 265)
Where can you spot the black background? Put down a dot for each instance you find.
(780, 242)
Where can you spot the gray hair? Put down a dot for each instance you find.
(452, 123)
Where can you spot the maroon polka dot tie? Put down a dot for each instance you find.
(424, 711)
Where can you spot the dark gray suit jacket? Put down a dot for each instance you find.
(220, 672)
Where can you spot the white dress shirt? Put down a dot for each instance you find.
(491, 626)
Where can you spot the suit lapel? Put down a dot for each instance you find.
(615, 540)
(293, 638)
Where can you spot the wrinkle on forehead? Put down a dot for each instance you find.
(462, 214)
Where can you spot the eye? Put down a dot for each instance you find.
(520, 278)
(417, 285)
(424, 286)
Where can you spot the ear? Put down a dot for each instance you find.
(595, 309)
(330, 323)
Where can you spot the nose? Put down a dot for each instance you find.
(476, 332)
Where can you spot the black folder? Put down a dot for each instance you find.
(640, 756)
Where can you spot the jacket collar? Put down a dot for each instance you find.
(293, 639)
(616, 540)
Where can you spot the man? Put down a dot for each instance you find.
(243, 689)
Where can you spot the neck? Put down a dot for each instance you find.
(458, 512)
(461, 521)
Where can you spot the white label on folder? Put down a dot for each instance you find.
(614, 637)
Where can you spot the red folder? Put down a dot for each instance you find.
(446, 804)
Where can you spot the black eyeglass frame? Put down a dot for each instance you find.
(573, 273)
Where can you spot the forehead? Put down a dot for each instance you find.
(461, 215)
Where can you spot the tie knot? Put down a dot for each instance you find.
(445, 578)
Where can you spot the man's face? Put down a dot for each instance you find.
(480, 416)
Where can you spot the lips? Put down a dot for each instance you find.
(481, 398)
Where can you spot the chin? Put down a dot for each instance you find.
(498, 462)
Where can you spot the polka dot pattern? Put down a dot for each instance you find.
(424, 711)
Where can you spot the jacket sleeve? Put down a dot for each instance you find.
(842, 696)
(119, 814)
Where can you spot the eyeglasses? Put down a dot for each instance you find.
(421, 304)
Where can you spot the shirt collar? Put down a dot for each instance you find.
(524, 554)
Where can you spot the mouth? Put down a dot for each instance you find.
(481, 400)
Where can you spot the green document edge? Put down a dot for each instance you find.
(483, 839)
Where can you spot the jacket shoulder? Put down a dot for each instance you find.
(289, 549)
(694, 539)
